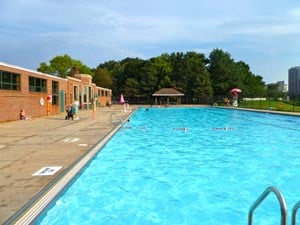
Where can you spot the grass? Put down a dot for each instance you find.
(284, 106)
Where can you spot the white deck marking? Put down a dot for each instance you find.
(71, 139)
(82, 145)
(47, 171)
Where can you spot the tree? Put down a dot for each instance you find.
(220, 68)
(83, 69)
(148, 81)
(61, 66)
(252, 85)
(226, 74)
(177, 61)
(131, 88)
(161, 70)
(192, 73)
(127, 68)
(196, 76)
(273, 91)
(102, 78)
(115, 71)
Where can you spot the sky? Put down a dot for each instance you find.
(265, 34)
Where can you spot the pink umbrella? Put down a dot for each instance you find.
(122, 101)
(235, 90)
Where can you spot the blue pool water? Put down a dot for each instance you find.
(186, 166)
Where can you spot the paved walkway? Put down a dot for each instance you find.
(27, 146)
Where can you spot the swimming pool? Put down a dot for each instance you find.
(186, 166)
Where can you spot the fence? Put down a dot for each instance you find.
(263, 103)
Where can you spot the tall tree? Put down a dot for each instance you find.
(177, 61)
(102, 78)
(198, 84)
(220, 68)
(252, 85)
(132, 88)
(115, 71)
(61, 66)
(161, 70)
(149, 79)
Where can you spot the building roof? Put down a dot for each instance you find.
(30, 71)
(168, 92)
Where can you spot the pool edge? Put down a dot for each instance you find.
(32, 209)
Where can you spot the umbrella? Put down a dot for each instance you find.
(122, 101)
(235, 90)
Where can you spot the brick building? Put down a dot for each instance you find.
(43, 94)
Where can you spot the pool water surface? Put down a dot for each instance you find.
(186, 166)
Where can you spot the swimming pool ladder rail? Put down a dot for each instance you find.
(115, 119)
(260, 199)
(294, 212)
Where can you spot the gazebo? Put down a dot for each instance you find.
(164, 96)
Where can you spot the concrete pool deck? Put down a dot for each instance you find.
(27, 146)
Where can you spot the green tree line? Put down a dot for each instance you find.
(191, 73)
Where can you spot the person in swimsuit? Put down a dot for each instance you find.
(23, 115)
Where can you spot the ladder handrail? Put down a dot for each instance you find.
(294, 212)
(115, 122)
(281, 200)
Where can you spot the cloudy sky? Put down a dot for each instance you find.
(263, 33)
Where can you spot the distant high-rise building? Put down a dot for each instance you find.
(282, 87)
(294, 81)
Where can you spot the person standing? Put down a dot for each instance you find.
(75, 108)
(94, 107)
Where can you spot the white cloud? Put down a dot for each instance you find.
(98, 29)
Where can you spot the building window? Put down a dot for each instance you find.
(10, 81)
(76, 93)
(37, 84)
(84, 94)
(55, 92)
(91, 94)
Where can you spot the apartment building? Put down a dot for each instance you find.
(294, 81)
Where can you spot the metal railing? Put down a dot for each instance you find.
(115, 119)
(294, 212)
(281, 200)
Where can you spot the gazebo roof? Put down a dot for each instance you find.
(168, 92)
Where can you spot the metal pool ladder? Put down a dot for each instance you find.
(115, 119)
(281, 200)
(294, 212)
(282, 203)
